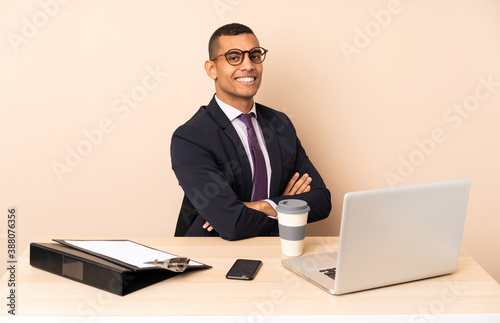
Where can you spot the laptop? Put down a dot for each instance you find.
(391, 236)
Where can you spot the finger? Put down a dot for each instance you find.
(291, 183)
(206, 225)
(299, 185)
(305, 187)
(210, 228)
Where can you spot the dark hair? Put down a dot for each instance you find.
(226, 30)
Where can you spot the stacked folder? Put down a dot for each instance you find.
(111, 265)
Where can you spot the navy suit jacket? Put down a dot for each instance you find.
(213, 169)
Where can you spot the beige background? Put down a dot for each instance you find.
(382, 93)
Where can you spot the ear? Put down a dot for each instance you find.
(211, 70)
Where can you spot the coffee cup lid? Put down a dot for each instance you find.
(292, 206)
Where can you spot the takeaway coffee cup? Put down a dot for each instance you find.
(292, 221)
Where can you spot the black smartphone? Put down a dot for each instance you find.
(244, 269)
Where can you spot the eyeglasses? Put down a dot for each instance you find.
(235, 56)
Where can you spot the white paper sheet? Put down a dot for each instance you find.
(125, 251)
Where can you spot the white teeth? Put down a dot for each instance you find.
(246, 79)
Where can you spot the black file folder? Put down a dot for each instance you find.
(95, 271)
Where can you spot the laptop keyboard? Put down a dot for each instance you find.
(330, 272)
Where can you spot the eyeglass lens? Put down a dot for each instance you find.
(235, 56)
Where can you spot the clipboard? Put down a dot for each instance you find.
(125, 253)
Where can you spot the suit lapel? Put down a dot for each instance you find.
(246, 172)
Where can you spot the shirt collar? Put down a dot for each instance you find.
(231, 112)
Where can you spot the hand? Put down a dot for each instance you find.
(262, 206)
(298, 185)
(207, 226)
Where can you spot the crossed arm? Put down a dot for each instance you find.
(296, 185)
(207, 174)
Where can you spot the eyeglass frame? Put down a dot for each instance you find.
(243, 55)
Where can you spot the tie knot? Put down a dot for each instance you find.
(247, 119)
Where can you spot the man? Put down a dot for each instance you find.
(234, 169)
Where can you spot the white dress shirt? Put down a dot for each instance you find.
(241, 129)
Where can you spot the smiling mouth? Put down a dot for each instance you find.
(247, 79)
